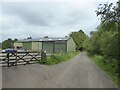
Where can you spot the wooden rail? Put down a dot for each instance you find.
(16, 58)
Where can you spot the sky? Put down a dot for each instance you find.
(54, 18)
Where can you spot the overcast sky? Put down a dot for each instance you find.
(55, 18)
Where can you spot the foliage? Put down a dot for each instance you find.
(58, 58)
(46, 37)
(29, 37)
(92, 44)
(106, 40)
(78, 38)
(112, 70)
(109, 13)
(8, 43)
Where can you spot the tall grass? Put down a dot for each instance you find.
(58, 58)
(110, 69)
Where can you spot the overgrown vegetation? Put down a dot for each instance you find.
(78, 37)
(105, 41)
(8, 43)
(58, 58)
(110, 69)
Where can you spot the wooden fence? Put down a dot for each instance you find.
(18, 58)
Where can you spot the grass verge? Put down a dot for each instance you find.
(58, 58)
(109, 69)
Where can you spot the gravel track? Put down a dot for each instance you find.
(78, 72)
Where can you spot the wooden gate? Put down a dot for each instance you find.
(18, 58)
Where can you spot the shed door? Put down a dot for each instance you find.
(48, 47)
(60, 46)
(27, 45)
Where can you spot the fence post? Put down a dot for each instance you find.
(8, 59)
(16, 59)
(43, 57)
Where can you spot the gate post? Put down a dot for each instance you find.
(43, 57)
(16, 59)
(8, 54)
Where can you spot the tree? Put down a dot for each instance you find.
(29, 37)
(78, 38)
(15, 40)
(7, 43)
(110, 20)
(105, 40)
(46, 37)
(109, 13)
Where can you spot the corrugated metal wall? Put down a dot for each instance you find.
(55, 47)
(27, 45)
(48, 47)
(18, 44)
(36, 46)
(71, 45)
(60, 46)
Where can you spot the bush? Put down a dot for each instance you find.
(58, 58)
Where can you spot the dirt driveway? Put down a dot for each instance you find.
(79, 72)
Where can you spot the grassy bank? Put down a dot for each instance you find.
(58, 58)
(111, 70)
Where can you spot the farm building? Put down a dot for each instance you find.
(50, 45)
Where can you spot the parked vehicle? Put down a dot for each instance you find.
(9, 50)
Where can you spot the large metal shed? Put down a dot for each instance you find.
(50, 45)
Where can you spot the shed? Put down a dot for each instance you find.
(50, 45)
